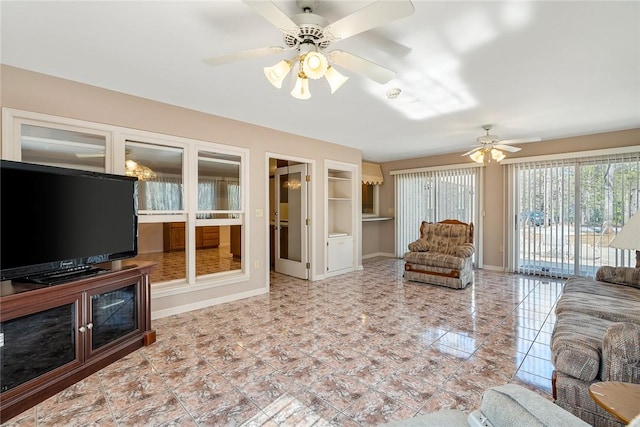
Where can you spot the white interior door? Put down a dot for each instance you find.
(291, 221)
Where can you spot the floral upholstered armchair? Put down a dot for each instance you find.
(442, 254)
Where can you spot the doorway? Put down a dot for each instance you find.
(288, 214)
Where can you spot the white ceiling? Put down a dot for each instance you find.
(532, 68)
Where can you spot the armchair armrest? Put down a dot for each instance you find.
(419, 245)
(621, 353)
(627, 276)
(464, 250)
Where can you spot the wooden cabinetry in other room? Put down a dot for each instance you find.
(174, 236)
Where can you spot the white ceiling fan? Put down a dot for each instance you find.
(489, 146)
(308, 33)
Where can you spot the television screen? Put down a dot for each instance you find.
(56, 219)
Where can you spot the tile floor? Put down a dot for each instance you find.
(355, 350)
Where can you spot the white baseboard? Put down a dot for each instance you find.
(493, 268)
(376, 254)
(204, 304)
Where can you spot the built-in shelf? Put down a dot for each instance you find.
(341, 192)
(376, 218)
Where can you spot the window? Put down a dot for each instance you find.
(369, 199)
(159, 170)
(219, 213)
(434, 195)
(372, 178)
(567, 211)
(64, 146)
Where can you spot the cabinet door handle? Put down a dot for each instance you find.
(82, 329)
(89, 325)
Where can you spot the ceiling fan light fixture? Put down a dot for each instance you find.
(314, 64)
(497, 155)
(133, 168)
(478, 156)
(301, 89)
(277, 73)
(130, 164)
(334, 78)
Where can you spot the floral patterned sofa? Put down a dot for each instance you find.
(596, 338)
(442, 254)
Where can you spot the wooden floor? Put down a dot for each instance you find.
(173, 266)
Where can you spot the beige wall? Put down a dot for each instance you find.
(494, 221)
(34, 92)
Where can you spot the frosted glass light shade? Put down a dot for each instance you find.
(334, 78)
(314, 65)
(277, 73)
(301, 89)
(478, 156)
(496, 154)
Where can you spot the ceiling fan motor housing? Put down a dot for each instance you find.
(488, 139)
(310, 30)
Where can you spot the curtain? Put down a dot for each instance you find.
(218, 194)
(160, 194)
(433, 195)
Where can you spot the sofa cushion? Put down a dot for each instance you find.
(576, 345)
(627, 276)
(621, 353)
(593, 287)
(616, 308)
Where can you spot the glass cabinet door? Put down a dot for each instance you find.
(113, 315)
(39, 343)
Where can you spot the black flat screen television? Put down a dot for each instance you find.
(55, 221)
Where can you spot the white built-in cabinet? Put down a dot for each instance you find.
(341, 219)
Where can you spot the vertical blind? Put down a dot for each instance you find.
(566, 212)
(433, 195)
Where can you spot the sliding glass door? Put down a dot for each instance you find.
(566, 212)
(434, 195)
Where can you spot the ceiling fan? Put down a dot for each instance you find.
(489, 146)
(308, 34)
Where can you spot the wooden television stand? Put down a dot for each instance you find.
(52, 336)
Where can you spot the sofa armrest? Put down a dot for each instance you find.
(464, 250)
(419, 245)
(621, 353)
(627, 276)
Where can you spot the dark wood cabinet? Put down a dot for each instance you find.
(174, 236)
(236, 241)
(54, 336)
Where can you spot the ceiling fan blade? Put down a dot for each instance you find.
(371, 16)
(362, 66)
(242, 55)
(471, 151)
(273, 14)
(507, 148)
(520, 141)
